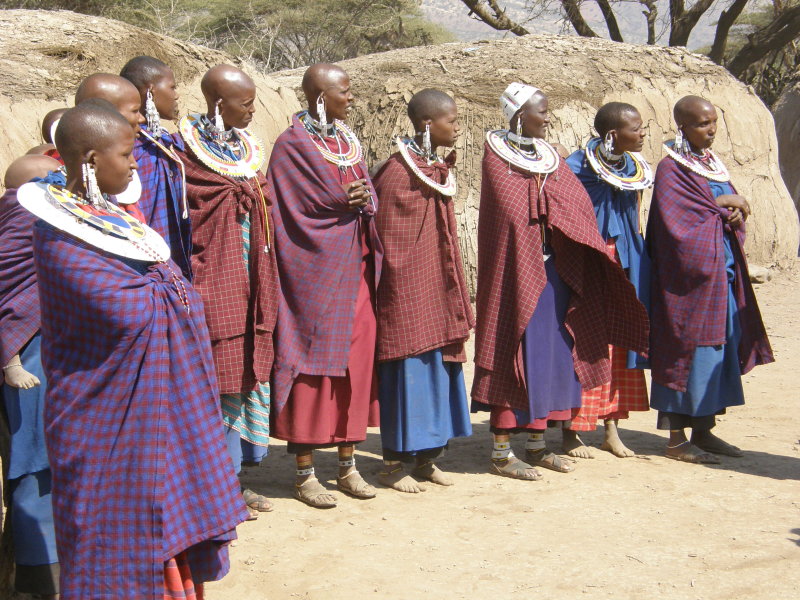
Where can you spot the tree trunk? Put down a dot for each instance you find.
(782, 30)
(493, 15)
(726, 20)
(611, 21)
(682, 21)
(572, 8)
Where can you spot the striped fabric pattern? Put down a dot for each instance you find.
(248, 413)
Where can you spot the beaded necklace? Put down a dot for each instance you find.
(250, 149)
(170, 153)
(641, 179)
(350, 158)
(706, 165)
(542, 158)
(404, 144)
(112, 230)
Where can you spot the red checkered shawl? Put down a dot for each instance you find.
(19, 296)
(318, 248)
(603, 307)
(689, 286)
(423, 301)
(238, 301)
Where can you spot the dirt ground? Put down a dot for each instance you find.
(637, 528)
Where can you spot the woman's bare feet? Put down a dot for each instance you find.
(395, 477)
(705, 440)
(687, 452)
(428, 470)
(574, 446)
(612, 443)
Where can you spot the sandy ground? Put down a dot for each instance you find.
(637, 528)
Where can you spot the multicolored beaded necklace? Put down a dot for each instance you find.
(613, 175)
(706, 165)
(404, 144)
(248, 148)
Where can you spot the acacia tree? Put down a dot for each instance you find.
(761, 41)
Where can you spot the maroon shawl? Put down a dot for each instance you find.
(19, 295)
(318, 248)
(603, 306)
(689, 286)
(423, 301)
(240, 305)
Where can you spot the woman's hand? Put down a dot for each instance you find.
(357, 192)
(738, 207)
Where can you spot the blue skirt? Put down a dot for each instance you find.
(550, 374)
(28, 469)
(423, 403)
(715, 379)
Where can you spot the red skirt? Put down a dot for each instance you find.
(503, 417)
(178, 583)
(323, 411)
(627, 391)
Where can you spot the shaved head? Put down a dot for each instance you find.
(144, 71)
(319, 77)
(28, 167)
(118, 91)
(113, 88)
(224, 80)
(612, 116)
(429, 104)
(47, 123)
(689, 106)
(93, 125)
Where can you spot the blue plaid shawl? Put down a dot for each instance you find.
(318, 249)
(132, 418)
(161, 201)
(617, 213)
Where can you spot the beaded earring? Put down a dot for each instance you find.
(519, 126)
(426, 141)
(608, 143)
(321, 115)
(93, 194)
(219, 124)
(151, 113)
(680, 143)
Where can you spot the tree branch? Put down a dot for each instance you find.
(781, 31)
(651, 14)
(683, 21)
(572, 9)
(611, 20)
(491, 13)
(726, 20)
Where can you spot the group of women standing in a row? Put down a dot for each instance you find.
(306, 302)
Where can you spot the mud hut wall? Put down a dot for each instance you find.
(578, 75)
(47, 54)
(787, 125)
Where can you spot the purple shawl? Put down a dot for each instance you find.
(689, 284)
(19, 298)
(132, 422)
(318, 249)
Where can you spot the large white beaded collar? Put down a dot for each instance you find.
(711, 168)
(448, 188)
(106, 227)
(545, 160)
(198, 141)
(641, 179)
